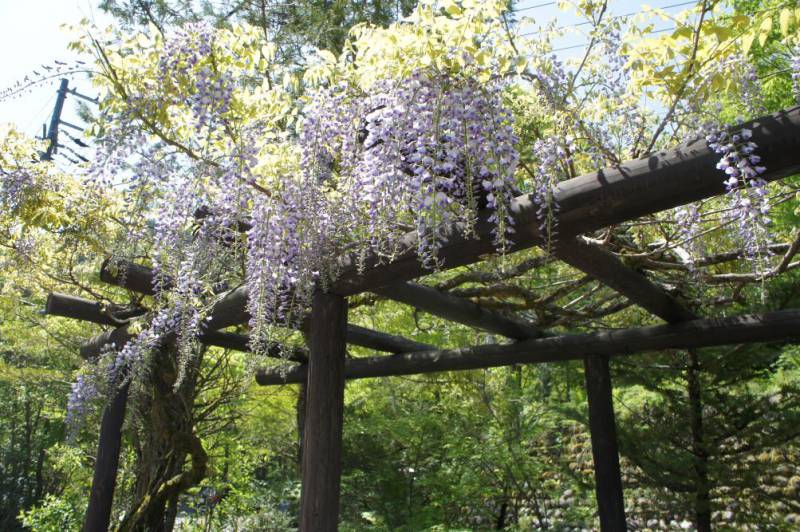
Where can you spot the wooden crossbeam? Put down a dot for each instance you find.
(120, 336)
(92, 311)
(381, 341)
(647, 185)
(608, 269)
(127, 274)
(745, 329)
(670, 178)
(459, 310)
(232, 309)
(78, 308)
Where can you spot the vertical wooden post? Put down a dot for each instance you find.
(98, 513)
(322, 439)
(300, 414)
(608, 481)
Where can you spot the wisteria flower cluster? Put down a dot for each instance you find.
(746, 188)
(83, 392)
(552, 155)
(428, 150)
(794, 64)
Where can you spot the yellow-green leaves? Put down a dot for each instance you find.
(451, 36)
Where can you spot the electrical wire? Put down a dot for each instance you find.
(615, 17)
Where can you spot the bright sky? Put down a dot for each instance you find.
(30, 36)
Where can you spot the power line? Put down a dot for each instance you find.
(39, 112)
(615, 17)
(583, 45)
(653, 32)
(537, 6)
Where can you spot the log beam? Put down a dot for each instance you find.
(608, 269)
(232, 309)
(238, 342)
(745, 329)
(322, 442)
(92, 311)
(127, 274)
(459, 310)
(381, 341)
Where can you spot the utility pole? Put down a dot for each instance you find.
(52, 133)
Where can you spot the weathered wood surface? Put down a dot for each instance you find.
(120, 336)
(324, 411)
(101, 495)
(745, 329)
(127, 274)
(114, 337)
(228, 311)
(381, 341)
(608, 269)
(660, 181)
(608, 479)
(459, 310)
(650, 184)
(87, 310)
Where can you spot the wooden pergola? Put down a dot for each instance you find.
(653, 183)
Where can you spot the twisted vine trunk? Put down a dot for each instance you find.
(166, 439)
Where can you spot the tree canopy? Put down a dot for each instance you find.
(250, 146)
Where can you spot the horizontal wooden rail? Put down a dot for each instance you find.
(459, 310)
(381, 341)
(745, 329)
(228, 310)
(238, 342)
(86, 310)
(608, 269)
(78, 308)
(127, 274)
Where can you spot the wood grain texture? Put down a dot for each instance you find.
(608, 478)
(324, 411)
(745, 329)
(104, 481)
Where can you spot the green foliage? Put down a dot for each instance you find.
(55, 514)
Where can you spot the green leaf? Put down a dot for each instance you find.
(747, 41)
(785, 20)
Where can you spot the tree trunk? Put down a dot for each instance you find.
(702, 502)
(167, 439)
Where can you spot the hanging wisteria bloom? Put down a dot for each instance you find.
(81, 396)
(425, 151)
(552, 155)
(794, 64)
(749, 205)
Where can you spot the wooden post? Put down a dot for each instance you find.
(322, 440)
(608, 481)
(98, 513)
(300, 414)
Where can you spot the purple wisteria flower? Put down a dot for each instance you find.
(749, 206)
